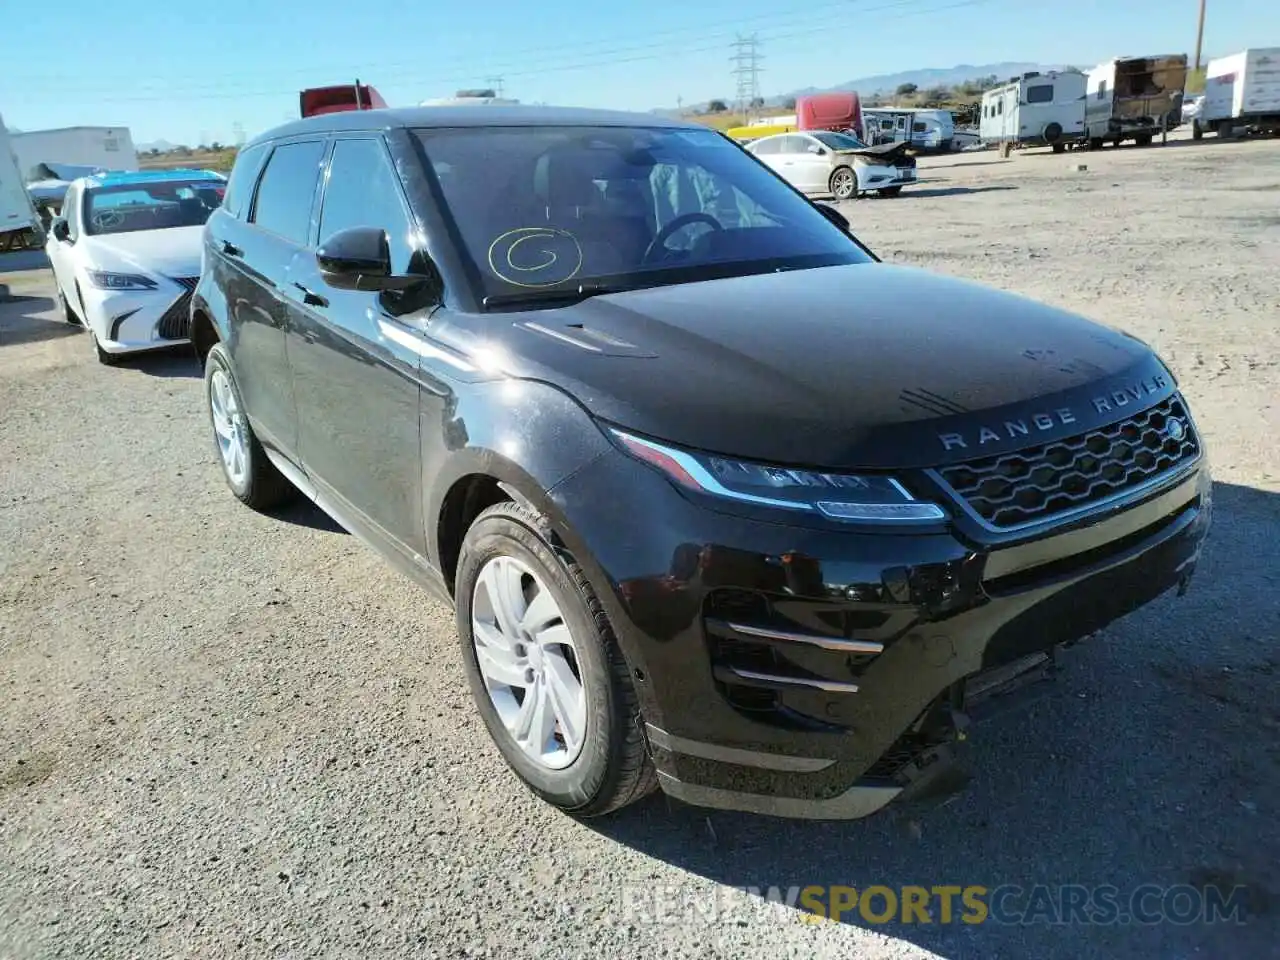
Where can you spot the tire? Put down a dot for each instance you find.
(890, 191)
(1059, 148)
(1143, 139)
(509, 543)
(104, 358)
(1197, 131)
(64, 309)
(256, 482)
(844, 183)
(1095, 143)
(1052, 133)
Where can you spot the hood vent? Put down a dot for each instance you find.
(587, 339)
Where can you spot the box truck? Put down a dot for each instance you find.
(1134, 98)
(106, 148)
(1241, 94)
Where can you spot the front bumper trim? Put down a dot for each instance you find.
(853, 804)
(736, 755)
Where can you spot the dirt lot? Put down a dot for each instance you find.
(225, 734)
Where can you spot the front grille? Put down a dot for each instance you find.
(176, 322)
(1037, 483)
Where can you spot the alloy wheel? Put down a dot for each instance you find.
(844, 184)
(228, 427)
(527, 659)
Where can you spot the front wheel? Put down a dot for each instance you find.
(64, 310)
(251, 476)
(544, 668)
(844, 184)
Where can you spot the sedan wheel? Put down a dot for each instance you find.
(844, 184)
(526, 654)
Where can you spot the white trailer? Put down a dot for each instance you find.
(925, 129)
(1241, 92)
(19, 225)
(110, 148)
(1134, 98)
(1035, 110)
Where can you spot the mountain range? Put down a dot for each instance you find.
(924, 78)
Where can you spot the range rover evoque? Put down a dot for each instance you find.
(723, 503)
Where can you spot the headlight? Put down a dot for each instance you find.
(876, 498)
(105, 280)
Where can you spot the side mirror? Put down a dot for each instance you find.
(62, 230)
(815, 148)
(834, 215)
(359, 258)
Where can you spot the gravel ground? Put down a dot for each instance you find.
(225, 734)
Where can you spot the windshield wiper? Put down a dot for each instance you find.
(562, 296)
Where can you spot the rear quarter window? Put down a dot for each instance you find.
(244, 174)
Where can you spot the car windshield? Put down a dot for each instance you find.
(544, 211)
(839, 141)
(126, 208)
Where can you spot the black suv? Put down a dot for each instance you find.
(723, 503)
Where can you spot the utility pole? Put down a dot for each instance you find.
(746, 60)
(1199, 35)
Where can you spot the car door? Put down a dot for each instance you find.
(62, 252)
(355, 375)
(810, 160)
(259, 253)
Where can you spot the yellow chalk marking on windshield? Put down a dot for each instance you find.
(522, 235)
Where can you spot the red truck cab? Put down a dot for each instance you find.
(838, 111)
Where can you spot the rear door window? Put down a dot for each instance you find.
(243, 176)
(285, 195)
(771, 145)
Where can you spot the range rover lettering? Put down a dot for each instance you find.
(724, 504)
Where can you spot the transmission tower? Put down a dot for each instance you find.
(746, 69)
(495, 83)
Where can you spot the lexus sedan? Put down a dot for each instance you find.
(125, 252)
(724, 505)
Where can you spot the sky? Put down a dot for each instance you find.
(203, 72)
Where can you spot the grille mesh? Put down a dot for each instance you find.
(176, 322)
(1035, 484)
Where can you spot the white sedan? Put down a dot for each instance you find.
(126, 256)
(823, 163)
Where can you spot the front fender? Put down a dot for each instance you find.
(526, 434)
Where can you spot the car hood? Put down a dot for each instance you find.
(861, 366)
(174, 252)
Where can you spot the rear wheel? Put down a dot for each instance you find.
(844, 184)
(544, 668)
(1197, 131)
(1059, 148)
(251, 476)
(1143, 139)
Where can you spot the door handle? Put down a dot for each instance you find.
(311, 299)
(231, 250)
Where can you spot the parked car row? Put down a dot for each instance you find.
(724, 505)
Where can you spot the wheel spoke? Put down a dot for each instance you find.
(567, 700)
(222, 426)
(507, 603)
(554, 637)
(536, 720)
(499, 666)
(541, 612)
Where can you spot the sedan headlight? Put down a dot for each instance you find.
(105, 280)
(867, 498)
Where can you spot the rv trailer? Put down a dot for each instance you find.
(1035, 110)
(19, 223)
(1241, 94)
(1134, 98)
(928, 129)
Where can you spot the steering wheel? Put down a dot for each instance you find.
(106, 219)
(679, 223)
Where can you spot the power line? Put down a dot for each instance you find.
(746, 60)
(518, 62)
(661, 51)
(496, 84)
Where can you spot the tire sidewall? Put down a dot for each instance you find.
(218, 361)
(504, 535)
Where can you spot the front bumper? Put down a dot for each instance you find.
(125, 321)
(810, 672)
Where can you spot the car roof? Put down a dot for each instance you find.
(125, 178)
(470, 115)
